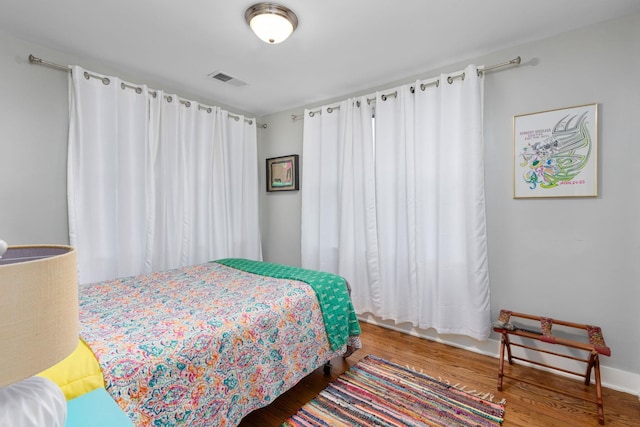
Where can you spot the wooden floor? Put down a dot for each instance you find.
(526, 405)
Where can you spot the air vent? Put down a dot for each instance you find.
(225, 78)
(222, 77)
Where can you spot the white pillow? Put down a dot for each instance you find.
(35, 401)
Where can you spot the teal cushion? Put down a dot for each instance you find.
(95, 409)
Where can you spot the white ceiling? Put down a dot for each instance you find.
(340, 46)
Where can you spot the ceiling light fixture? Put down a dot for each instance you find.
(271, 22)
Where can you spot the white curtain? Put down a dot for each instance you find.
(407, 225)
(155, 183)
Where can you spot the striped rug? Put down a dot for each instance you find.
(376, 392)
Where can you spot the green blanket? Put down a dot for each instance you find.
(331, 290)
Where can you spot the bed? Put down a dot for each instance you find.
(205, 345)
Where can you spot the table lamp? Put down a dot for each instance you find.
(38, 328)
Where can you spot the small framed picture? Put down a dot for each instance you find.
(282, 173)
(555, 153)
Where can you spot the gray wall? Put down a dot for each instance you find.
(33, 154)
(279, 211)
(571, 259)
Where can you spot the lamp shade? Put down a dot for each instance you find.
(272, 23)
(38, 309)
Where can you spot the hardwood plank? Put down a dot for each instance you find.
(527, 406)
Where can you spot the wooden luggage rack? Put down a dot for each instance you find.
(596, 346)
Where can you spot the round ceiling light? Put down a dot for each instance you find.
(271, 22)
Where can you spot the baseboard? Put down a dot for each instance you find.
(613, 378)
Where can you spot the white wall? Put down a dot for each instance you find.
(570, 259)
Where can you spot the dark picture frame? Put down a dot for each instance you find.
(282, 173)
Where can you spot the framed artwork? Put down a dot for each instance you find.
(555, 153)
(282, 173)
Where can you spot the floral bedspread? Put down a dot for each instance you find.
(201, 345)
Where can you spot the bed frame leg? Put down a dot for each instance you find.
(327, 368)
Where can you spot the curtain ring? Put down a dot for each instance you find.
(250, 122)
(209, 110)
(187, 104)
(357, 103)
(413, 89)
(384, 97)
(169, 98)
(423, 86)
(137, 88)
(104, 80)
(463, 75)
(329, 109)
(311, 114)
(449, 79)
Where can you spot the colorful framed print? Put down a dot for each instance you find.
(282, 173)
(555, 153)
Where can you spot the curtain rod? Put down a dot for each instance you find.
(514, 61)
(106, 81)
